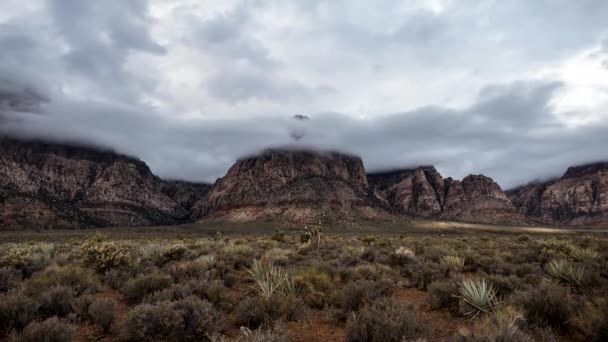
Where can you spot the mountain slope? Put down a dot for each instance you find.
(48, 185)
(423, 191)
(579, 197)
(292, 185)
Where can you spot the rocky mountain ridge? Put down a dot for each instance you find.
(293, 185)
(53, 185)
(49, 185)
(579, 197)
(424, 192)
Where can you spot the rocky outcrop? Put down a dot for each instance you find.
(579, 197)
(292, 185)
(46, 185)
(184, 193)
(423, 191)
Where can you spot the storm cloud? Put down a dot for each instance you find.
(499, 88)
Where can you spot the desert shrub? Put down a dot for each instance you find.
(81, 307)
(372, 272)
(146, 322)
(103, 312)
(402, 256)
(505, 325)
(452, 262)
(80, 280)
(56, 301)
(150, 252)
(200, 319)
(27, 258)
(117, 278)
(369, 254)
(584, 254)
(423, 273)
(141, 286)
(9, 278)
(173, 293)
(314, 285)
(478, 295)
(276, 334)
(257, 311)
(50, 330)
(173, 253)
(205, 262)
(386, 321)
(278, 235)
(505, 285)
(442, 294)
(356, 294)
(592, 320)
(189, 319)
(270, 279)
(16, 311)
(547, 305)
(565, 271)
(103, 256)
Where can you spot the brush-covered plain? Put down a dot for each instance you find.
(476, 286)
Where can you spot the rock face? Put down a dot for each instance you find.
(184, 193)
(579, 197)
(45, 185)
(423, 191)
(294, 185)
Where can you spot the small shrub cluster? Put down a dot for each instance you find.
(386, 321)
(103, 256)
(188, 319)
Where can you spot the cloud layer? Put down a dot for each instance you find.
(493, 87)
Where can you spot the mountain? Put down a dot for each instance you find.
(293, 185)
(579, 197)
(424, 192)
(52, 185)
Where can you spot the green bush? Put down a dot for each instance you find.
(592, 320)
(504, 325)
(386, 321)
(103, 256)
(189, 319)
(442, 294)
(355, 295)
(27, 258)
(548, 305)
(16, 311)
(103, 312)
(173, 293)
(173, 253)
(479, 296)
(143, 285)
(9, 278)
(57, 301)
(50, 330)
(257, 311)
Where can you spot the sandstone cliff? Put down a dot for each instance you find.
(293, 185)
(46, 185)
(423, 191)
(579, 197)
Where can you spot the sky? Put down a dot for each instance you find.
(513, 89)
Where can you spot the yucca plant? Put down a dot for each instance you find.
(479, 294)
(270, 279)
(584, 254)
(453, 262)
(565, 271)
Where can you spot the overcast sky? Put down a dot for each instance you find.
(513, 89)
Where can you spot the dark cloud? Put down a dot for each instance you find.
(113, 73)
(480, 139)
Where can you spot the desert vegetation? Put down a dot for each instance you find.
(304, 286)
